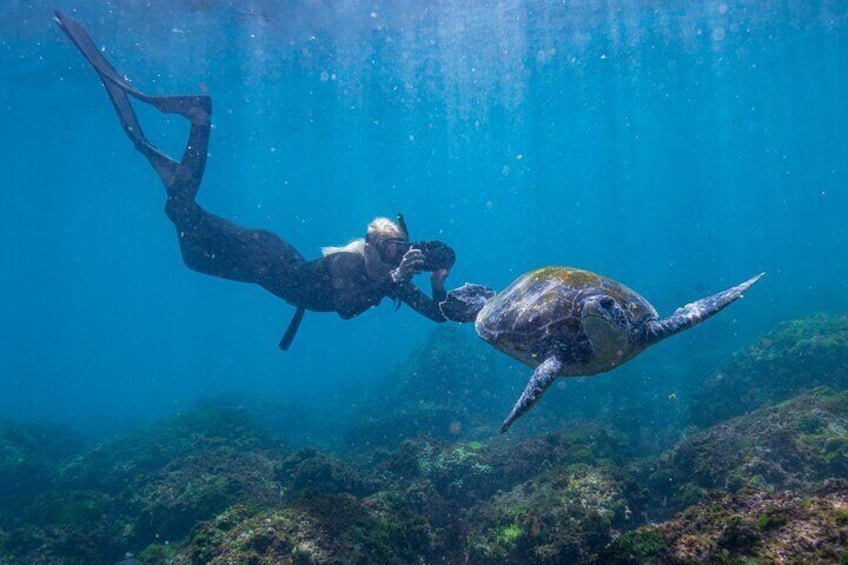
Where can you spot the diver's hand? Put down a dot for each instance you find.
(411, 265)
(437, 279)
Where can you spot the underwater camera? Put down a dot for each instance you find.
(437, 255)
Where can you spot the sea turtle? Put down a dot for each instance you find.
(566, 322)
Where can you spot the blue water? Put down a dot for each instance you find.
(678, 147)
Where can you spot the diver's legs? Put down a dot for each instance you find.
(212, 245)
(209, 244)
(181, 177)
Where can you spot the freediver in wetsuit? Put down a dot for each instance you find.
(347, 280)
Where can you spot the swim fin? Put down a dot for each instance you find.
(197, 109)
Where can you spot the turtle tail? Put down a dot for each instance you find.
(694, 313)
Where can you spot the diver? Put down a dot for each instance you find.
(347, 280)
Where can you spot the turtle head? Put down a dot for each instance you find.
(606, 324)
(464, 303)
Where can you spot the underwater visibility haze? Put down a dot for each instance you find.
(677, 147)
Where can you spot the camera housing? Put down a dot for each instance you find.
(437, 255)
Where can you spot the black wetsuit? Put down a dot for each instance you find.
(335, 283)
(215, 246)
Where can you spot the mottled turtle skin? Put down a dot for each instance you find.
(568, 322)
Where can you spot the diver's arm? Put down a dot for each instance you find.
(420, 302)
(437, 284)
(413, 263)
(355, 292)
(353, 299)
(351, 303)
(348, 287)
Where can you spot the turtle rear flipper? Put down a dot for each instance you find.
(694, 313)
(543, 376)
(464, 303)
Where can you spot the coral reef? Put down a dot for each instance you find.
(754, 526)
(152, 486)
(213, 485)
(563, 516)
(797, 355)
(112, 465)
(794, 445)
(326, 528)
(28, 454)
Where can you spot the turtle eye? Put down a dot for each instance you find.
(607, 302)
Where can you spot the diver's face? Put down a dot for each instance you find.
(392, 250)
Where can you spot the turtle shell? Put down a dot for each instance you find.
(541, 312)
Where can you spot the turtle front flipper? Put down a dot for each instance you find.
(542, 378)
(694, 313)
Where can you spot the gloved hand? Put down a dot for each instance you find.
(411, 265)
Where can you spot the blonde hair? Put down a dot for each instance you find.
(355, 246)
(384, 228)
(379, 229)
